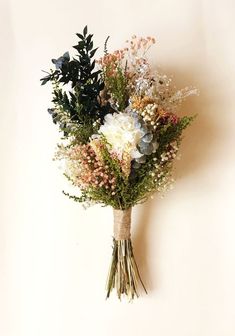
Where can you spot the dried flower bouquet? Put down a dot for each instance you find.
(120, 136)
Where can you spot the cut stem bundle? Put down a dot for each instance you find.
(123, 275)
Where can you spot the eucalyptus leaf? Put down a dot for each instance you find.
(142, 159)
(136, 165)
(146, 148)
(66, 56)
(147, 137)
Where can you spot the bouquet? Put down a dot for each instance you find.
(120, 134)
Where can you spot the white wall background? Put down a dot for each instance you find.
(54, 256)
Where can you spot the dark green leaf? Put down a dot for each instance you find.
(85, 31)
(89, 37)
(92, 53)
(80, 36)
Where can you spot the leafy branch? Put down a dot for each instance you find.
(83, 101)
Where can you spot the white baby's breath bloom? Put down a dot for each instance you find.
(123, 133)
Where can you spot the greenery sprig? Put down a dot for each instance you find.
(82, 103)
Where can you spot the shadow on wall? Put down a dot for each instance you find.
(197, 151)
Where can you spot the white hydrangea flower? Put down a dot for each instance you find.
(123, 133)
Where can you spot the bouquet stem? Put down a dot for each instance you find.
(123, 275)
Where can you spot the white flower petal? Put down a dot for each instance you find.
(122, 133)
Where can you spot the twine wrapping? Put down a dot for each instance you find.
(122, 224)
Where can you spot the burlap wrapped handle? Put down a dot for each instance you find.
(122, 224)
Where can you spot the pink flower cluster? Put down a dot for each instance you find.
(111, 62)
(170, 117)
(140, 44)
(91, 171)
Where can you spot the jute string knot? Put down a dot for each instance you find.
(122, 224)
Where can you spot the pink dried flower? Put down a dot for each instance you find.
(87, 169)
